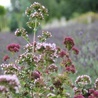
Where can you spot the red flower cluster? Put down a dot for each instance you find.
(69, 43)
(71, 68)
(6, 57)
(79, 96)
(13, 47)
(93, 93)
(63, 53)
(76, 51)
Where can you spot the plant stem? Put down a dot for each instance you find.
(35, 29)
(26, 39)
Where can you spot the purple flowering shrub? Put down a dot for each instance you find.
(35, 73)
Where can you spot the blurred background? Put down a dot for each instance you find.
(75, 18)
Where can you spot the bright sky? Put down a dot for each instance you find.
(5, 3)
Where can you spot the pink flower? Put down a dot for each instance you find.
(68, 68)
(91, 90)
(91, 96)
(95, 93)
(10, 68)
(76, 51)
(3, 89)
(10, 80)
(79, 96)
(6, 57)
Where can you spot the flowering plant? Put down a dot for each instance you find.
(36, 73)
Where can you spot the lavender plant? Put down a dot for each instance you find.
(36, 73)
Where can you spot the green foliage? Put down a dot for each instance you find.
(13, 22)
(56, 8)
(15, 5)
(2, 18)
(2, 10)
(80, 6)
(62, 7)
(19, 7)
(24, 20)
(68, 7)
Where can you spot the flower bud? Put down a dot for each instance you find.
(36, 74)
(75, 50)
(6, 57)
(62, 53)
(69, 43)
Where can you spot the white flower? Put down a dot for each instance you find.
(51, 94)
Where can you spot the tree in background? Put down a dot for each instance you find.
(53, 7)
(2, 17)
(56, 8)
(69, 7)
(59, 8)
(18, 11)
(14, 22)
